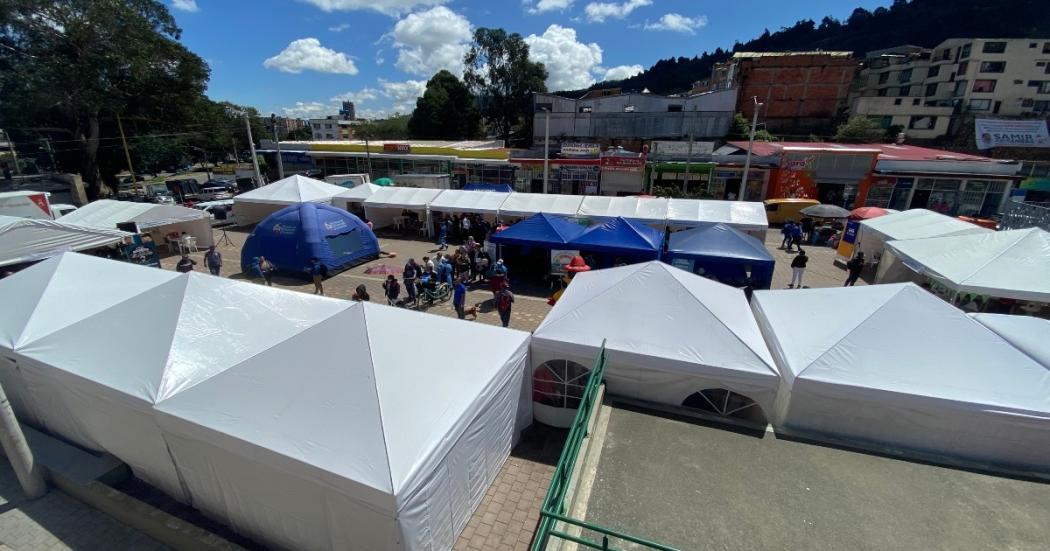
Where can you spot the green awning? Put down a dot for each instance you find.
(694, 168)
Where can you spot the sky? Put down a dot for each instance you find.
(300, 58)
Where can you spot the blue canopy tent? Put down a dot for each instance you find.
(720, 252)
(502, 188)
(290, 237)
(620, 239)
(540, 230)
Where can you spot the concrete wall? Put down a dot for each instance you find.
(800, 91)
(905, 112)
(703, 116)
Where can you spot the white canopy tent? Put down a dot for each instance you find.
(351, 199)
(158, 220)
(874, 233)
(1008, 264)
(385, 205)
(746, 216)
(648, 210)
(686, 334)
(257, 204)
(894, 368)
(28, 239)
(523, 205)
(487, 203)
(1028, 334)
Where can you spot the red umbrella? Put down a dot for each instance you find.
(384, 269)
(866, 213)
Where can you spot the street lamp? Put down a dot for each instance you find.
(251, 143)
(277, 141)
(750, 144)
(546, 108)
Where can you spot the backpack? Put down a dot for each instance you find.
(503, 302)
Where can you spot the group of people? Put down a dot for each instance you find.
(464, 228)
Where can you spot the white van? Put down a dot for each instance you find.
(348, 180)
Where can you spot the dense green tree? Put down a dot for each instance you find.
(741, 130)
(300, 134)
(394, 127)
(860, 130)
(447, 110)
(499, 72)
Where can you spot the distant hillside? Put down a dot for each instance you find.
(920, 22)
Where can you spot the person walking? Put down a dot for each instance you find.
(361, 294)
(185, 264)
(459, 298)
(392, 290)
(317, 272)
(409, 276)
(796, 237)
(266, 269)
(504, 301)
(442, 232)
(213, 260)
(855, 266)
(786, 232)
(472, 256)
(798, 269)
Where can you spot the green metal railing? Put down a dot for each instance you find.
(553, 509)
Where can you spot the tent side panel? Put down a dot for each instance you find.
(247, 213)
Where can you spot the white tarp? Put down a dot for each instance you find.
(895, 367)
(873, 233)
(27, 239)
(669, 334)
(526, 204)
(1028, 334)
(257, 204)
(1009, 264)
(648, 210)
(746, 216)
(356, 194)
(402, 198)
(458, 200)
(159, 220)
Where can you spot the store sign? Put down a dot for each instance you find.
(682, 148)
(397, 148)
(848, 242)
(560, 258)
(805, 163)
(580, 149)
(623, 164)
(1002, 133)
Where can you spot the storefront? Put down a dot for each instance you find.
(837, 176)
(622, 173)
(979, 197)
(693, 179)
(566, 176)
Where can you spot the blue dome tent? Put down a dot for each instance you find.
(720, 252)
(540, 230)
(290, 237)
(502, 188)
(620, 238)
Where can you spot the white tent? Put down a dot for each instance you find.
(669, 334)
(253, 206)
(746, 216)
(479, 202)
(1028, 334)
(1008, 264)
(648, 210)
(526, 204)
(895, 368)
(874, 233)
(158, 220)
(386, 204)
(354, 196)
(27, 239)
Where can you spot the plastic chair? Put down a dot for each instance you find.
(189, 244)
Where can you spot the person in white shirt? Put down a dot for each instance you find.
(465, 224)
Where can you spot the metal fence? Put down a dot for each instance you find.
(553, 510)
(1018, 216)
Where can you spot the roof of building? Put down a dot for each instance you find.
(886, 151)
(746, 55)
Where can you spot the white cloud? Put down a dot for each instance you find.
(388, 7)
(307, 54)
(621, 72)
(185, 5)
(317, 109)
(431, 40)
(365, 94)
(676, 22)
(570, 63)
(339, 28)
(542, 6)
(403, 95)
(309, 110)
(598, 12)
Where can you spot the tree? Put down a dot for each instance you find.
(301, 134)
(69, 69)
(394, 127)
(859, 129)
(498, 70)
(742, 130)
(447, 110)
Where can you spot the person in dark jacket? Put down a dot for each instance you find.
(854, 267)
(317, 272)
(504, 301)
(459, 298)
(786, 232)
(796, 237)
(392, 289)
(213, 260)
(185, 264)
(798, 268)
(409, 276)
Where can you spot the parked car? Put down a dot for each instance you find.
(779, 211)
(221, 211)
(164, 199)
(214, 193)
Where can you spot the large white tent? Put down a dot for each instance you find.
(746, 216)
(158, 220)
(383, 206)
(216, 385)
(253, 206)
(895, 368)
(523, 205)
(29, 239)
(486, 203)
(355, 196)
(1028, 334)
(648, 210)
(874, 233)
(670, 334)
(1008, 264)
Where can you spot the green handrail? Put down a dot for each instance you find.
(552, 510)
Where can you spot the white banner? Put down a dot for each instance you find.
(661, 147)
(1003, 133)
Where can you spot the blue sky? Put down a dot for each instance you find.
(300, 57)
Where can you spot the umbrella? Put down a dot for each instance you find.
(867, 213)
(384, 269)
(383, 182)
(825, 211)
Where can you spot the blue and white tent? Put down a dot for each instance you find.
(290, 237)
(540, 230)
(623, 238)
(722, 252)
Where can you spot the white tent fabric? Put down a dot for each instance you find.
(685, 334)
(458, 200)
(27, 239)
(746, 216)
(894, 367)
(1009, 264)
(526, 204)
(257, 204)
(1028, 334)
(387, 203)
(159, 220)
(874, 233)
(356, 194)
(648, 210)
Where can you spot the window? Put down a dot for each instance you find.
(1040, 63)
(1041, 106)
(993, 66)
(915, 101)
(1033, 44)
(1027, 102)
(922, 123)
(994, 47)
(965, 52)
(883, 77)
(329, 136)
(931, 89)
(317, 126)
(934, 71)
(328, 126)
(881, 92)
(960, 87)
(983, 86)
(904, 76)
(675, 108)
(1046, 47)
(944, 54)
(980, 104)
(559, 383)
(897, 101)
(586, 109)
(905, 91)
(1047, 69)
(1044, 88)
(963, 67)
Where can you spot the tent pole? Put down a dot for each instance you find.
(17, 451)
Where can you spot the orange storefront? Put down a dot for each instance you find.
(841, 175)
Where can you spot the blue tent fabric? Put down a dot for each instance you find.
(539, 230)
(620, 236)
(290, 237)
(502, 188)
(723, 253)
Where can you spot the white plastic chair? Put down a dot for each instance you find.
(189, 244)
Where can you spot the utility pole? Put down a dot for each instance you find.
(368, 157)
(17, 451)
(546, 147)
(127, 156)
(750, 144)
(14, 154)
(251, 145)
(51, 155)
(688, 161)
(277, 142)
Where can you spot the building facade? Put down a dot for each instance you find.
(331, 128)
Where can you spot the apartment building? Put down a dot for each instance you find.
(332, 127)
(923, 89)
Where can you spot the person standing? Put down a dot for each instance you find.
(409, 277)
(267, 270)
(465, 226)
(392, 290)
(798, 269)
(317, 272)
(796, 237)
(361, 294)
(855, 266)
(472, 255)
(213, 260)
(442, 232)
(786, 232)
(504, 301)
(459, 298)
(185, 264)
(428, 265)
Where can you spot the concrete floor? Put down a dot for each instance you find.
(684, 484)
